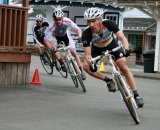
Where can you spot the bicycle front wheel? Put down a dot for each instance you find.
(78, 73)
(59, 69)
(72, 73)
(47, 64)
(129, 100)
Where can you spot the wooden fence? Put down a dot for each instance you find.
(14, 58)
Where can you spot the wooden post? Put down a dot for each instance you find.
(143, 43)
(150, 41)
(25, 3)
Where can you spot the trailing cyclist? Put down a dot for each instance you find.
(59, 31)
(39, 30)
(98, 37)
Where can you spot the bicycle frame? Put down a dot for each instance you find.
(68, 55)
(73, 68)
(115, 71)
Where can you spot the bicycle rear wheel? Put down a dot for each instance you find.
(59, 69)
(78, 73)
(72, 73)
(129, 100)
(47, 65)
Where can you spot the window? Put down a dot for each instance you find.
(153, 42)
(112, 16)
(136, 41)
(66, 14)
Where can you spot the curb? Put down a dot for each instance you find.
(155, 76)
(140, 74)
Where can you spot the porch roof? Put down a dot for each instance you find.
(139, 24)
(76, 3)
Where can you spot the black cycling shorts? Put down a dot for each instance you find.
(40, 39)
(64, 39)
(96, 51)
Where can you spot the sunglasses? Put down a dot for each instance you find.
(58, 19)
(39, 21)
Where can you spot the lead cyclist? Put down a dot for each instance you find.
(98, 37)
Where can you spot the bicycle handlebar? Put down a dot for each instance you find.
(63, 48)
(106, 53)
(92, 61)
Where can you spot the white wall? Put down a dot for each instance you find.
(134, 13)
(31, 23)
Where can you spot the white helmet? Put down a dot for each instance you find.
(39, 17)
(58, 13)
(93, 13)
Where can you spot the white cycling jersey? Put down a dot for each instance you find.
(60, 31)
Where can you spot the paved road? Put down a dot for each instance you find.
(58, 105)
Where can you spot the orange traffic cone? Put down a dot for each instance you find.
(36, 79)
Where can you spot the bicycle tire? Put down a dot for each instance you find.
(72, 73)
(59, 69)
(47, 67)
(129, 101)
(78, 72)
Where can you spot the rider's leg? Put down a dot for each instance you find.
(96, 74)
(38, 48)
(75, 55)
(99, 75)
(53, 44)
(73, 51)
(58, 57)
(121, 63)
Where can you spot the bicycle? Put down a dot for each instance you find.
(48, 61)
(124, 90)
(72, 66)
(51, 63)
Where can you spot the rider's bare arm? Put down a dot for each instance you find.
(79, 32)
(123, 39)
(87, 51)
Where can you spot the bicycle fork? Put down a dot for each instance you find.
(70, 66)
(126, 88)
(129, 93)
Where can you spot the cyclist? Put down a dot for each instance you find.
(97, 37)
(59, 31)
(38, 30)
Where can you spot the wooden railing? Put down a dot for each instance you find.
(14, 58)
(13, 27)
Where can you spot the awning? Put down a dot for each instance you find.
(75, 3)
